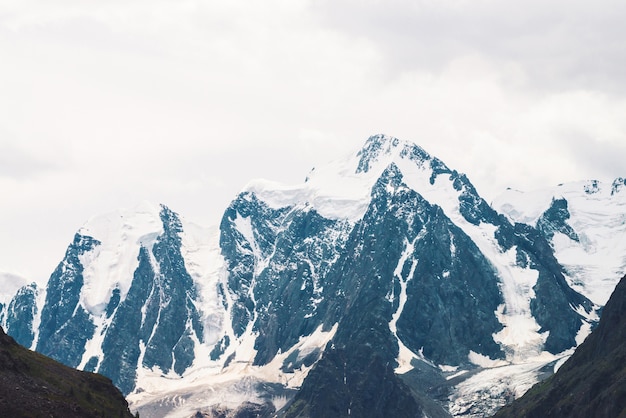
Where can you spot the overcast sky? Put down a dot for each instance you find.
(182, 102)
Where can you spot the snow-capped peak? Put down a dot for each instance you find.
(342, 188)
(383, 150)
(111, 264)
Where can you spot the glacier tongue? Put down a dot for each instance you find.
(210, 384)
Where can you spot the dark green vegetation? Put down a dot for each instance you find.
(32, 385)
(592, 383)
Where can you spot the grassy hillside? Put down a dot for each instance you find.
(32, 385)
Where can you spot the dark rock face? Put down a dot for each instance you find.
(473, 208)
(172, 301)
(32, 385)
(555, 220)
(290, 292)
(401, 238)
(592, 382)
(121, 343)
(555, 302)
(276, 275)
(242, 254)
(65, 325)
(159, 312)
(20, 314)
(353, 381)
(404, 238)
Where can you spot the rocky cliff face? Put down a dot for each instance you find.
(157, 325)
(65, 324)
(383, 285)
(20, 314)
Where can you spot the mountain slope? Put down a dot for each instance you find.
(32, 385)
(592, 382)
(18, 307)
(424, 282)
(585, 223)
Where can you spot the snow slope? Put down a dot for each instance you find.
(597, 260)
(112, 263)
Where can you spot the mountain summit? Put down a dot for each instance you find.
(382, 285)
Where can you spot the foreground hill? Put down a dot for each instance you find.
(32, 385)
(592, 383)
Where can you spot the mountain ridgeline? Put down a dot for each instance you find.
(384, 285)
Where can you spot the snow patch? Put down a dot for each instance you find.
(40, 301)
(448, 369)
(405, 355)
(205, 264)
(113, 263)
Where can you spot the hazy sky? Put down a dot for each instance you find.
(182, 102)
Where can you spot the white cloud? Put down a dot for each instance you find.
(183, 102)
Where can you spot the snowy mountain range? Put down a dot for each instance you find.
(382, 285)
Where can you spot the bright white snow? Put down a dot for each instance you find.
(405, 355)
(113, 263)
(595, 263)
